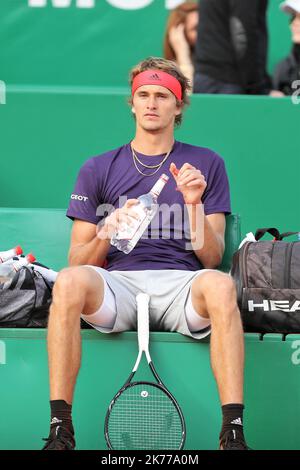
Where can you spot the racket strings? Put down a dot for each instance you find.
(144, 417)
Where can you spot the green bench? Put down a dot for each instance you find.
(272, 414)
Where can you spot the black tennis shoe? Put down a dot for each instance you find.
(59, 439)
(233, 440)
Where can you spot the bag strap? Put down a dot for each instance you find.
(260, 232)
(35, 293)
(287, 234)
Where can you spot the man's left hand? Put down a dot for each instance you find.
(190, 182)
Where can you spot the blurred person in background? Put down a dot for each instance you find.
(231, 49)
(288, 71)
(181, 36)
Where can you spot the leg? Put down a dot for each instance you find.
(214, 296)
(77, 290)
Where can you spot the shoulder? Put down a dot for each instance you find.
(204, 154)
(100, 161)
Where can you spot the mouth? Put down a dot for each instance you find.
(151, 115)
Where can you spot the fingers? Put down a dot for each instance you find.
(120, 218)
(179, 27)
(176, 31)
(189, 175)
(124, 221)
(173, 169)
(186, 176)
(180, 172)
(197, 182)
(185, 167)
(128, 209)
(131, 202)
(117, 223)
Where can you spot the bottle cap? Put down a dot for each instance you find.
(18, 250)
(30, 258)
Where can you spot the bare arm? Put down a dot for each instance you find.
(209, 246)
(85, 246)
(90, 244)
(207, 232)
(182, 51)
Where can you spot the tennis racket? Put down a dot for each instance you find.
(144, 415)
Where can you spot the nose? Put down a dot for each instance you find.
(151, 104)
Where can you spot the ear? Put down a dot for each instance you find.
(179, 108)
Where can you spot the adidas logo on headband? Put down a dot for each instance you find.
(154, 77)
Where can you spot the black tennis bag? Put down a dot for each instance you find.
(25, 300)
(267, 277)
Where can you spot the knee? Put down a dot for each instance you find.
(219, 293)
(217, 287)
(225, 287)
(70, 284)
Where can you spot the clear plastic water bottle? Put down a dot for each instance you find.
(127, 237)
(5, 255)
(8, 270)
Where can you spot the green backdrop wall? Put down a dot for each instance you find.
(65, 71)
(93, 46)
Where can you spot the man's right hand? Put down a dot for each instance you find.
(117, 219)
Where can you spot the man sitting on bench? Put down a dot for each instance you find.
(188, 295)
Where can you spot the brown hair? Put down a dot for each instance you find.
(167, 66)
(176, 17)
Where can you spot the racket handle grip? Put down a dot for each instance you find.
(142, 301)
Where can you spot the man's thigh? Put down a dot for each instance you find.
(170, 292)
(81, 282)
(207, 281)
(117, 311)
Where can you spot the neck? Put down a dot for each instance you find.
(150, 143)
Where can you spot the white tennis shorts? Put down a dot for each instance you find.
(170, 307)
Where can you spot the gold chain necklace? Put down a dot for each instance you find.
(135, 159)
